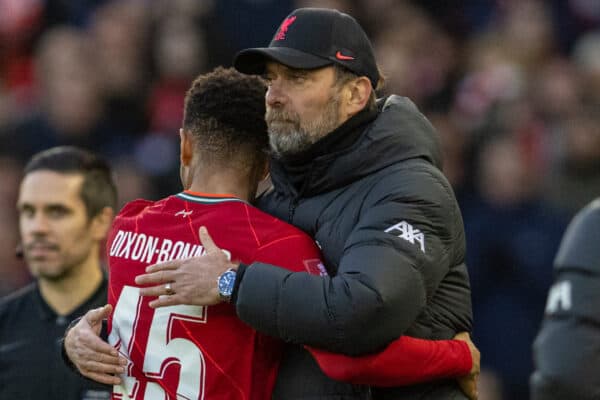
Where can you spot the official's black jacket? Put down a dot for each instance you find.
(372, 195)
(31, 366)
(567, 348)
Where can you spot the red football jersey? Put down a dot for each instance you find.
(194, 352)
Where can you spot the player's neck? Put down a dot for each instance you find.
(68, 293)
(223, 182)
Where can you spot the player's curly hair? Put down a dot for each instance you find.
(225, 111)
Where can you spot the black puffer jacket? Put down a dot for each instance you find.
(372, 195)
(567, 347)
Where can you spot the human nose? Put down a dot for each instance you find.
(37, 224)
(275, 94)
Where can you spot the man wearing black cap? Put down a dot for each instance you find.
(363, 178)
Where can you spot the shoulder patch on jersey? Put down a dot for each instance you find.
(315, 267)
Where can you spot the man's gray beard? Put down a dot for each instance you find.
(288, 142)
(290, 137)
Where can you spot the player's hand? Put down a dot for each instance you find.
(468, 383)
(192, 281)
(92, 356)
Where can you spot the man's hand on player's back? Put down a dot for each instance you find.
(468, 383)
(92, 356)
(191, 281)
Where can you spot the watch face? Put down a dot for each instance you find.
(226, 283)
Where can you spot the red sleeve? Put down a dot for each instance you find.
(405, 361)
(295, 252)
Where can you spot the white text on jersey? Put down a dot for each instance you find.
(152, 249)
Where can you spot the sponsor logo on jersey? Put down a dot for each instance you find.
(153, 249)
(184, 213)
(405, 231)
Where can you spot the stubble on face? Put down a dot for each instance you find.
(54, 226)
(290, 133)
(51, 261)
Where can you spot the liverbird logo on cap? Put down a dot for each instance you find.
(284, 27)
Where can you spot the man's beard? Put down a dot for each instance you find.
(288, 135)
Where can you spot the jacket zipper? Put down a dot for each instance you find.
(292, 209)
(294, 201)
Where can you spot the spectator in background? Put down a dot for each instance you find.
(511, 237)
(525, 29)
(132, 182)
(70, 108)
(20, 23)
(13, 273)
(243, 23)
(119, 34)
(455, 145)
(586, 59)
(72, 13)
(179, 53)
(66, 204)
(420, 55)
(574, 178)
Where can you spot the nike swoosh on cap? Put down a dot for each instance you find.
(340, 56)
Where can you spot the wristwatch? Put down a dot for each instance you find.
(225, 284)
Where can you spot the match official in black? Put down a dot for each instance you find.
(66, 204)
(567, 348)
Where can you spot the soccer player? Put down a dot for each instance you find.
(66, 203)
(189, 351)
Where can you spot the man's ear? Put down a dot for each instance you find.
(185, 147)
(101, 223)
(356, 95)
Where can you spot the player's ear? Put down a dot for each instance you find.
(185, 147)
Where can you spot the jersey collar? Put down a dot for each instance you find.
(207, 198)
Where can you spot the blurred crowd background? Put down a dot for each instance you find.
(513, 87)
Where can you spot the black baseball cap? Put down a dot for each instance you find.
(311, 38)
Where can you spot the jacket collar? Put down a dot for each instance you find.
(364, 144)
(47, 313)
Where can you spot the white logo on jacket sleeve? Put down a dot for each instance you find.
(405, 231)
(559, 297)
